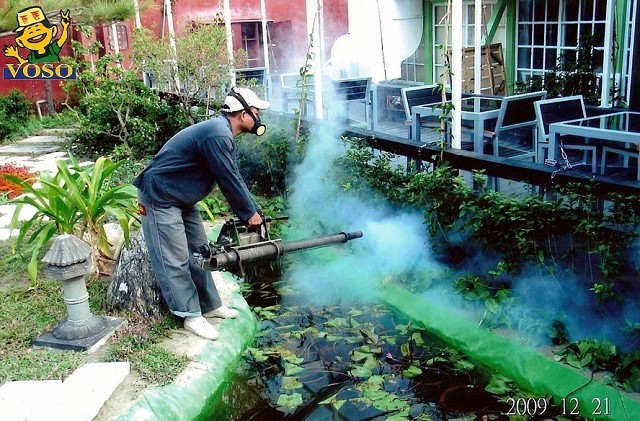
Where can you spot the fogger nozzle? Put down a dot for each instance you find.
(231, 258)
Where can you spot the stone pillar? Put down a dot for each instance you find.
(69, 260)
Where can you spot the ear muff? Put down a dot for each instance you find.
(258, 127)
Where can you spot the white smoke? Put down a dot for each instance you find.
(395, 242)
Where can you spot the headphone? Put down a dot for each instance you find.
(258, 127)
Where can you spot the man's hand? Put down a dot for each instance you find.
(255, 220)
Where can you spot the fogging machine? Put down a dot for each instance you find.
(238, 245)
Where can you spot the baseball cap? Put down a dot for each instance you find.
(232, 104)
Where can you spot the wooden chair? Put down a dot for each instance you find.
(516, 112)
(558, 110)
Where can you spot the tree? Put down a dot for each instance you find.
(84, 12)
(197, 72)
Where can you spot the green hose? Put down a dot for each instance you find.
(529, 369)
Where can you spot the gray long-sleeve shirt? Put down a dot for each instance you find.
(190, 164)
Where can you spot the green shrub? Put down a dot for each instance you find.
(125, 113)
(264, 160)
(553, 233)
(76, 200)
(14, 110)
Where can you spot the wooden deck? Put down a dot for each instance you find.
(510, 174)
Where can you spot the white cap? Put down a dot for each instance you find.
(232, 104)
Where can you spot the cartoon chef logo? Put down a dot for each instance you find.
(38, 35)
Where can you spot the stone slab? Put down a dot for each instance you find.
(91, 385)
(22, 400)
(31, 149)
(78, 398)
(58, 140)
(5, 233)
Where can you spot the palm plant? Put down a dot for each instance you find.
(76, 200)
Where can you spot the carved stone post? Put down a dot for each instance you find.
(69, 260)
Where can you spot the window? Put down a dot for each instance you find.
(468, 32)
(248, 36)
(413, 66)
(548, 29)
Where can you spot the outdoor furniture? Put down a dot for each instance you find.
(421, 95)
(622, 127)
(516, 112)
(344, 92)
(291, 90)
(258, 74)
(559, 110)
(632, 151)
(478, 109)
(387, 109)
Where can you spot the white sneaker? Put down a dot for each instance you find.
(223, 312)
(201, 327)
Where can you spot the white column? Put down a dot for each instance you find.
(136, 6)
(265, 47)
(456, 69)
(314, 9)
(116, 44)
(172, 32)
(227, 26)
(606, 64)
(477, 36)
(172, 37)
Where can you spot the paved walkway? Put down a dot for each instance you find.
(38, 153)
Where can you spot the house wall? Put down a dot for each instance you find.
(287, 27)
(287, 22)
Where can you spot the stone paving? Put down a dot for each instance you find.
(38, 153)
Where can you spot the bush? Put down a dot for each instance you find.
(125, 112)
(263, 160)
(12, 189)
(14, 110)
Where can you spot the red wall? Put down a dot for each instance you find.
(288, 29)
(288, 22)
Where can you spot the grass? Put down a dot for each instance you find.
(28, 311)
(33, 125)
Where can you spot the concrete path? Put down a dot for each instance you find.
(79, 397)
(38, 153)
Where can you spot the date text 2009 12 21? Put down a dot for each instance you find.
(568, 406)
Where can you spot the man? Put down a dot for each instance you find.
(184, 172)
